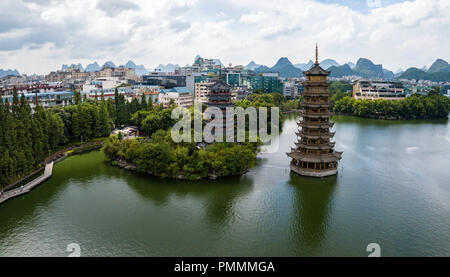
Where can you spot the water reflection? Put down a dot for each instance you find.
(218, 196)
(312, 200)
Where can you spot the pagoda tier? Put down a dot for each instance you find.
(312, 114)
(315, 125)
(323, 158)
(314, 154)
(326, 135)
(316, 105)
(323, 146)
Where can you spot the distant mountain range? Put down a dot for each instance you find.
(364, 68)
(252, 66)
(9, 72)
(93, 67)
(325, 64)
(284, 67)
(139, 69)
(167, 68)
(439, 71)
(305, 66)
(109, 64)
(439, 66)
(77, 66)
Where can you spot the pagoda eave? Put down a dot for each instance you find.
(311, 115)
(313, 147)
(315, 105)
(325, 158)
(314, 173)
(315, 126)
(321, 136)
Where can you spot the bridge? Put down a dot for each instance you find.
(5, 196)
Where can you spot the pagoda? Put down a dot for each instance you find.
(314, 154)
(220, 96)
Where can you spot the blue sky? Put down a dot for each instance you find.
(361, 5)
(37, 36)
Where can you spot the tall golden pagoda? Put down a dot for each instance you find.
(314, 155)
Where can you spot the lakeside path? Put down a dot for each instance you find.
(5, 196)
(48, 171)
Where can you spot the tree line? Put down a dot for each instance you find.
(414, 107)
(27, 138)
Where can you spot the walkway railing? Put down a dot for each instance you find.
(28, 187)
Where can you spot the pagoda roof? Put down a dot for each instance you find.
(316, 105)
(324, 158)
(314, 146)
(315, 115)
(315, 125)
(315, 94)
(219, 85)
(317, 70)
(321, 136)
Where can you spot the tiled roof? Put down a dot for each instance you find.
(317, 70)
(177, 90)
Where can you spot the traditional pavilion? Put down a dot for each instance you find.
(314, 155)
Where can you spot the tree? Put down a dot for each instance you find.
(105, 124)
(77, 97)
(144, 102)
(76, 131)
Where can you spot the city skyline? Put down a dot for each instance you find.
(40, 36)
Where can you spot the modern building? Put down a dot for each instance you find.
(46, 99)
(314, 154)
(288, 90)
(267, 82)
(165, 80)
(41, 88)
(181, 96)
(378, 90)
(201, 91)
(445, 90)
(104, 83)
(233, 79)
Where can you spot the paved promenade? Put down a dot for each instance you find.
(5, 196)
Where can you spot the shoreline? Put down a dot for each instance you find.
(124, 165)
(392, 118)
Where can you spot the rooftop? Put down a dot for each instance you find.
(177, 90)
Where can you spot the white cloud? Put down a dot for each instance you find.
(38, 36)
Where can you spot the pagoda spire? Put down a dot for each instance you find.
(317, 54)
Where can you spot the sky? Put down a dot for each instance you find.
(38, 36)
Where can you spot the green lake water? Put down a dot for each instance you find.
(393, 189)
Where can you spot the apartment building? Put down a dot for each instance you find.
(181, 96)
(378, 90)
(46, 99)
(201, 91)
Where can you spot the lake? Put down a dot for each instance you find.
(393, 188)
